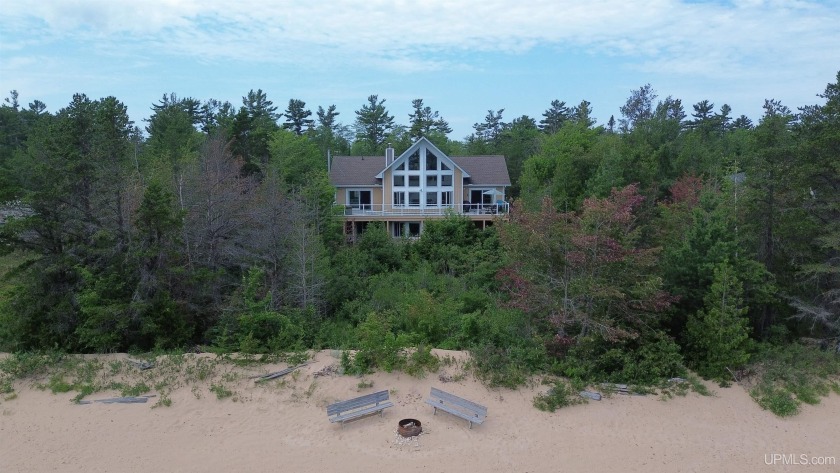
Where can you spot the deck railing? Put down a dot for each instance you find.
(388, 210)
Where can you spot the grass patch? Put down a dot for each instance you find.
(561, 394)
(58, 385)
(784, 377)
(27, 364)
(220, 391)
(135, 390)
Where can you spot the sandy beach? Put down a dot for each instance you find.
(281, 425)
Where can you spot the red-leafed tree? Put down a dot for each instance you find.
(584, 272)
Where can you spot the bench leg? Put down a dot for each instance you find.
(435, 408)
(470, 424)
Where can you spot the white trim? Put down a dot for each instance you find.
(422, 142)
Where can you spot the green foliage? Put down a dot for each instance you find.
(250, 326)
(777, 401)
(22, 365)
(717, 336)
(218, 227)
(508, 367)
(380, 347)
(373, 123)
(789, 375)
(220, 391)
(645, 361)
(560, 395)
(561, 168)
(297, 158)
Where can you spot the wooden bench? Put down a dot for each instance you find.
(467, 410)
(358, 407)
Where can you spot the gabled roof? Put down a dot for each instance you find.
(422, 142)
(350, 171)
(484, 170)
(356, 170)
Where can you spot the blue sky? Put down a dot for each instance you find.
(462, 57)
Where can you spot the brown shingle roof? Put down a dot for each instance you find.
(362, 170)
(484, 170)
(356, 170)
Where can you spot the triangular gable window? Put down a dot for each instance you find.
(423, 157)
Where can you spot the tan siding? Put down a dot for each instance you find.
(341, 196)
(458, 185)
(388, 184)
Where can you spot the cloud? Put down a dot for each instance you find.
(665, 34)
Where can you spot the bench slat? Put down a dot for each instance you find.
(370, 410)
(358, 402)
(458, 406)
(357, 407)
(458, 401)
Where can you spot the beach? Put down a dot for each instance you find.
(282, 425)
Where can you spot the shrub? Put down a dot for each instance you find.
(560, 395)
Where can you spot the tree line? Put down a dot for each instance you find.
(656, 241)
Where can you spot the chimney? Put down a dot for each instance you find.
(389, 155)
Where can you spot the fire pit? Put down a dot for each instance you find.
(409, 428)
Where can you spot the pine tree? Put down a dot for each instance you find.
(297, 117)
(717, 335)
(373, 122)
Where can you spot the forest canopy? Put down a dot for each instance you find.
(672, 237)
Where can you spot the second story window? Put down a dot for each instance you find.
(414, 161)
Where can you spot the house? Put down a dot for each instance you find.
(421, 184)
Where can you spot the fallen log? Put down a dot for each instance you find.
(591, 395)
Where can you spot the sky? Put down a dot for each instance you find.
(462, 57)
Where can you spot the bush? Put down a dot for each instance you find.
(508, 367)
(560, 395)
(777, 401)
(644, 361)
(24, 364)
(791, 375)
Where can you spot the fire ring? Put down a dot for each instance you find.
(409, 428)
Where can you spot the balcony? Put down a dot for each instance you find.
(477, 211)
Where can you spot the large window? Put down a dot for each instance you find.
(408, 229)
(414, 161)
(423, 180)
(413, 229)
(482, 197)
(431, 161)
(359, 199)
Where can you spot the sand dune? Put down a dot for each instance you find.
(282, 426)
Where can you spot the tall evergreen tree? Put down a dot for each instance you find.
(718, 334)
(639, 107)
(297, 117)
(554, 117)
(373, 123)
(423, 121)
